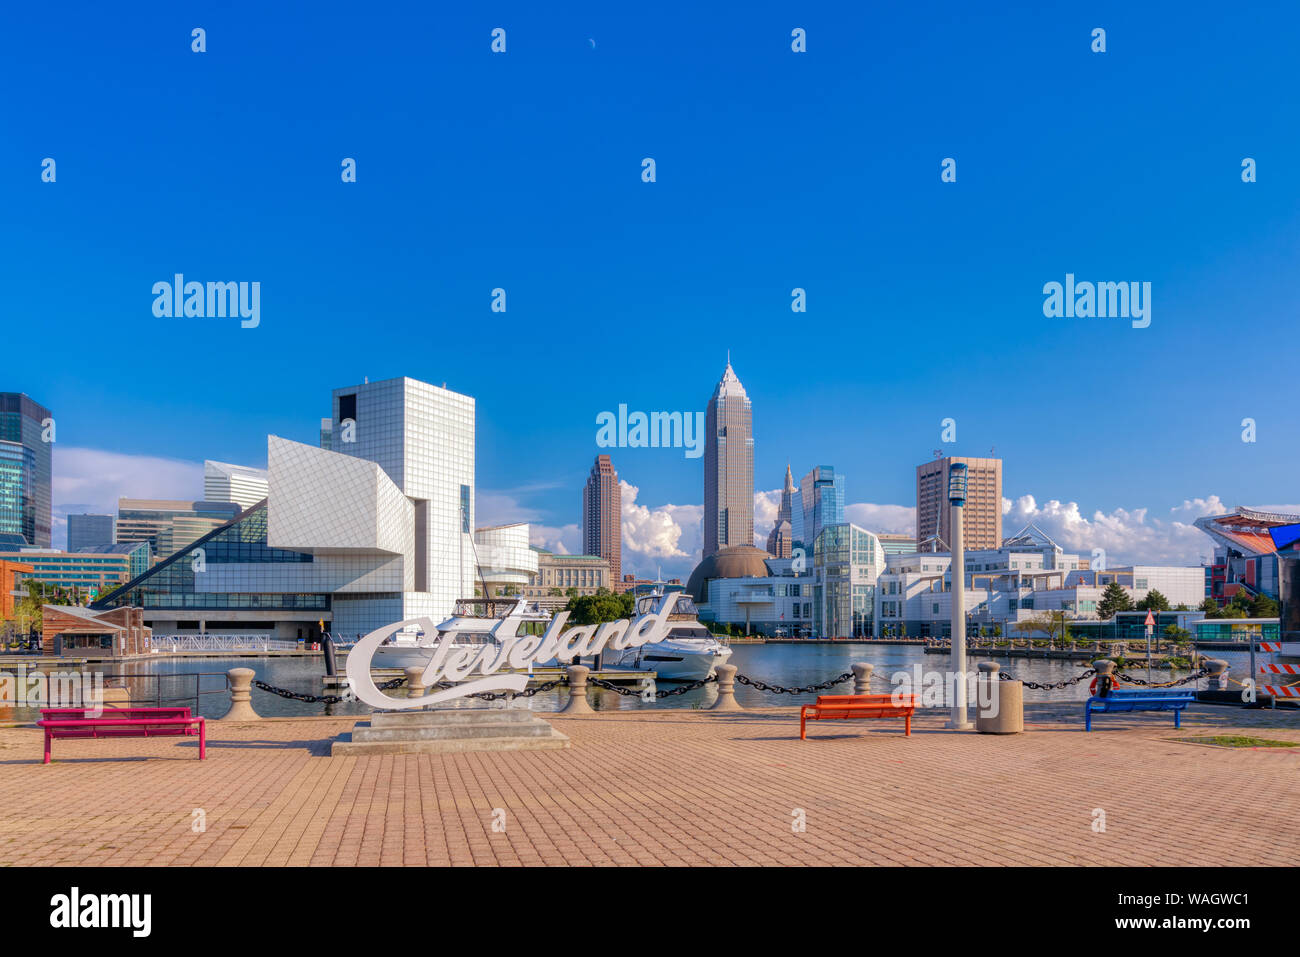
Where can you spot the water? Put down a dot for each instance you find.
(175, 679)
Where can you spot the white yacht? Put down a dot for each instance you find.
(689, 653)
(475, 623)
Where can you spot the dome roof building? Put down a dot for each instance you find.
(735, 561)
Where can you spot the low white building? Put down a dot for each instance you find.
(1028, 576)
(506, 561)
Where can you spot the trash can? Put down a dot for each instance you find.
(999, 704)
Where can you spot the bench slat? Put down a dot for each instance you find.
(121, 727)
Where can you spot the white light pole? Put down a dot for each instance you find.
(957, 571)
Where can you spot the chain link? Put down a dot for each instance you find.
(808, 689)
(1203, 673)
(641, 693)
(1048, 686)
(320, 698)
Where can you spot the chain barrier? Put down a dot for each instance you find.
(509, 695)
(1203, 673)
(1048, 685)
(642, 692)
(320, 698)
(809, 689)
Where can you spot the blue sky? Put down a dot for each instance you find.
(774, 170)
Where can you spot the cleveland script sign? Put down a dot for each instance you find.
(505, 648)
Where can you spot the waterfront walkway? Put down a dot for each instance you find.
(669, 787)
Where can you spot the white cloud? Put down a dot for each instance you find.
(92, 480)
(766, 505)
(667, 536)
(1128, 535)
(896, 519)
(562, 540)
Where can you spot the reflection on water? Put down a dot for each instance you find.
(175, 681)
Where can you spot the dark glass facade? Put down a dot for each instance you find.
(25, 469)
(171, 584)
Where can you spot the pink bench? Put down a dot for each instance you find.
(121, 723)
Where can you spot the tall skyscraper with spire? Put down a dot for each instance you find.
(728, 466)
(602, 517)
(780, 540)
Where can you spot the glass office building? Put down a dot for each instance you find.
(821, 503)
(85, 530)
(846, 561)
(25, 469)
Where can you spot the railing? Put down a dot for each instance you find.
(160, 690)
(169, 644)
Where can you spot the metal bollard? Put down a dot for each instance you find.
(726, 690)
(1000, 705)
(415, 682)
(577, 691)
(1105, 668)
(241, 695)
(327, 646)
(1218, 669)
(862, 677)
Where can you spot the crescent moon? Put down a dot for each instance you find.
(592, 42)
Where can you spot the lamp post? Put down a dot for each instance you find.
(957, 499)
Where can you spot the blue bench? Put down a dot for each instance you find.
(1138, 700)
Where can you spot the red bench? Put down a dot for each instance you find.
(844, 707)
(120, 723)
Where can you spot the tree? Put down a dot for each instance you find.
(1238, 605)
(594, 609)
(1261, 606)
(1113, 599)
(1153, 601)
(1211, 608)
(1054, 624)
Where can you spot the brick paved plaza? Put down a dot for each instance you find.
(668, 787)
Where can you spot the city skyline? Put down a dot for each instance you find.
(1179, 542)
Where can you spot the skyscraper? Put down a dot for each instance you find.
(602, 517)
(25, 470)
(728, 467)
(85, 530)
(780, 540)
(821, 497)
(982, 515)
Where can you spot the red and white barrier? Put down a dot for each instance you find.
(1276, 669)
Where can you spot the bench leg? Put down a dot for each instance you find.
(47, 748)
(803, 726)
(1178, 717)
(203, 740)
(1087, 718)
(907, 725)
